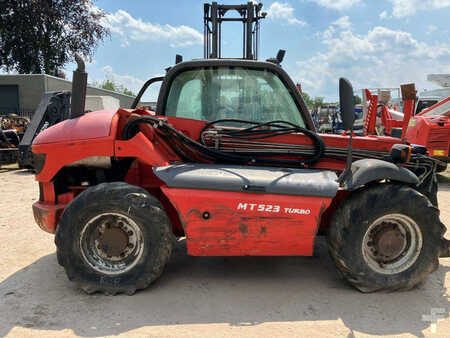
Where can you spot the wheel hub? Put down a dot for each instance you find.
(389, 242)
(392, 244)
(111, 243)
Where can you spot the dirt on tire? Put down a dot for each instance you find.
(129, 200)
(354, 216)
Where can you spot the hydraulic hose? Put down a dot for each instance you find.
(256, 131)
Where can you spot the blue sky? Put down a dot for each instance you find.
(373, 43)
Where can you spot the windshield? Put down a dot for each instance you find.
(424, 104)
(231, 93)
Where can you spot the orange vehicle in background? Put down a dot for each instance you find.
(431, 128)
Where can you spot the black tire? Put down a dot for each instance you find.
(430, 190)
(363, 210)
(441, 167)
(122, 201)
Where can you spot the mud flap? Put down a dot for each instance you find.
(369, 170)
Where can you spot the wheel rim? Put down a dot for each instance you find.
(111, 243)
(392, 244)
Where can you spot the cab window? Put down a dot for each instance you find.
(231, 93)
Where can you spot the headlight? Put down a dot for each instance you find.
(38, 162)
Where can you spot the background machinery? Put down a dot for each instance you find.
(428, 127)
(431, 128)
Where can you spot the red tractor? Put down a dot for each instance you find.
(230, 160)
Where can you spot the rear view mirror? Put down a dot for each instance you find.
(347, 103)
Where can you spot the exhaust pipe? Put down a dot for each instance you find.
(79, 85)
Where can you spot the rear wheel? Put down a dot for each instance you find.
(385, 237)
(114, 238)
(442, 166)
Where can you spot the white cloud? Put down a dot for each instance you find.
(343, 22)
(336, 4)
(384, 15)
(404, 8)
(283, 12)
(431, 29)
(128, 81)
(380, 58)
(107, 69)
(328, 33)
(128, 27)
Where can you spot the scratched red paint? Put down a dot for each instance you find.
(215, 227)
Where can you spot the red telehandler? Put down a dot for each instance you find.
(429, 128)
(230, 160)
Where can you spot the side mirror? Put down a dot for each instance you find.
(347, 103)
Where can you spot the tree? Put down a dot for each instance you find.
(318, 101)
(40, 36)
(110, 84)
(358, 99)
(312, 103)
(308, 101)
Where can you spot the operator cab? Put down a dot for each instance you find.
(216, 89)
(424, 103)
(231, 93)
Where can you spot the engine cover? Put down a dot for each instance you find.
(88, 126)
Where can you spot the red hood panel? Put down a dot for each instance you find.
(91, 125)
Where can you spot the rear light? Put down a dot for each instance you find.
(438, 141)
(401, 153)
(438, 152)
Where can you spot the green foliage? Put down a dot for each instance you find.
(318, 101)
(128, 92)
(41, 36)
(358, 99)
(312, 103)
(110, 84)
(309, 102)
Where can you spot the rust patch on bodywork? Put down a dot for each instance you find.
(216, 224)
(243, 228)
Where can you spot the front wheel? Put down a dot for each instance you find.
(114, 238)
(386, 237)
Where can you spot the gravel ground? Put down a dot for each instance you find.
(201, 296)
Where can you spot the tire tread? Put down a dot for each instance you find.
(115, 190)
